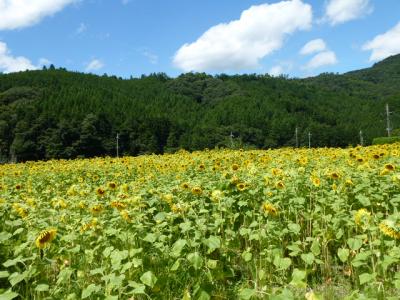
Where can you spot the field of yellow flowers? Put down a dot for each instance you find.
(221, 224)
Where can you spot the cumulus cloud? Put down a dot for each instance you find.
(241, 44)
(276, 71)
(341, 11)
(325, 58)
(384, 45)
(10, 63)
(23, 13)
(313, 46)
(44, 62)
(94, 65)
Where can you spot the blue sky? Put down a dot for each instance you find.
(124, 38)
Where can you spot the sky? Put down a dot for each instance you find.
(298, 38)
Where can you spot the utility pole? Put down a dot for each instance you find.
(309, 140)
(297, 137)
(388, 120)
(361, 138)
(117, 145)
(231, 137)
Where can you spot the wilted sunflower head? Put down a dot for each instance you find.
(280, 185)
(270, 209)
(45, 237)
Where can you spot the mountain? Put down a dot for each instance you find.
(54, 113)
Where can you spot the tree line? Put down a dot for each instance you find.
(54, 113)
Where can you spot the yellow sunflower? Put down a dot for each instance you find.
(45, 237)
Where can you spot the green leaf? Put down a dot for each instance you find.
(282, 263)
(150, 237)
(175, 266)
(4, 236)
(18, 231)
(149, 279)
(308, 258)
(8, 295)
(366, 278)
(354, 244)
(298, 277)
(42, 288)
(203, 295)
(138, 288)
(343, 254)
(195, 259)
(16, 278)
(295, 228)
(247, 256)
(315, 247)
(4, 274)
(177, 248)
(212, 264)
(89, 290)
(213, 242)
(247, 294)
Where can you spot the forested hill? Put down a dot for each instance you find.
(54, 113)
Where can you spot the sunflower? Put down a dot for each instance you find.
(280, 185)
(118, 205)
(20, 210)
(100, 192)
(235, 167)
(45, 237)
(334, 175)
(389, 228)
(389, 167)
(315, 181)
(216, 195)
(185, 185)
(197, 190)
(18, 187)
(270, 209)
(112, 185)
(241, 187)
(125, 215)
(362, 217)
(96, 208)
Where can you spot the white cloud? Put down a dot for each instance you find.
(313, 46)
(9, 63)
(384, 45)
(94, 65)
(276, 71)
(81, 29)
(44, 62)
(326, 58)
(153, 58)
(22, 13)
(241, 44)
(341, 11)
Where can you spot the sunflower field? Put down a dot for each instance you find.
(219, 224)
